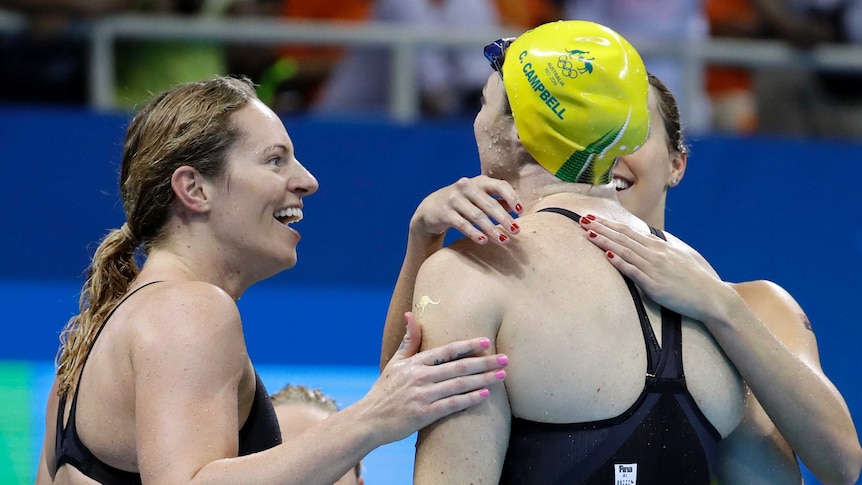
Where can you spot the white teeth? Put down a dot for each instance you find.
(288, 216)
(621, 184)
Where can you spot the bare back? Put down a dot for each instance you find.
(576, 343)
(568, 323)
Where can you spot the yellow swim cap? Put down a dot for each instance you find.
(578, 92)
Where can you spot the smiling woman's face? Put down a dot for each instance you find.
(642, 178)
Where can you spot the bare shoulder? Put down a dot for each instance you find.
(782, 314)
(459, 293)
(186, 320)
(766, 296)
(468, 259)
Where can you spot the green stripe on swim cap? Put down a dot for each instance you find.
(580, 168)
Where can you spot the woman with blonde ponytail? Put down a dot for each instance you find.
(154, 384)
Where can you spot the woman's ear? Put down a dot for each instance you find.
(191, 189)
(677, 167)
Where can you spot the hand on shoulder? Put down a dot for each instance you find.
(470, 205)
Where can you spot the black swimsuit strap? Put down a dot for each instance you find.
(99, 332)
(81, 457)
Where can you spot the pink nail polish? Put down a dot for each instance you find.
(484, 393)
(484, 343)
(500, 374)
(502, 359)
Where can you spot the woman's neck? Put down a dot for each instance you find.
(539, 188)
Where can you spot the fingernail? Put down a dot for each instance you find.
(482, 239)
(502, 359)
(610, 255)
(518, 207)
(593, 234)
(503, 237)
(591, 217)
(584, 220)
(500, 374)
(484, 393)
(514, 228)
(484, 343)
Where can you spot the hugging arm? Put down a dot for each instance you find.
(468, 205)
(762, 330)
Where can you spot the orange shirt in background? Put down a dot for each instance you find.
(526, 14)
(730, 18)
(322, 10)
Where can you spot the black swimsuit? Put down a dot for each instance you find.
(260, 432)
(663, 438)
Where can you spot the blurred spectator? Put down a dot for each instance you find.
(298, 408)
(290, 77)
(804, 102)
(450, 80)
(47, 62)
(145, 67)
(732, 89)
(676, 21)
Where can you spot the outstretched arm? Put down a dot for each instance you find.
(470, 205)
(782, 368)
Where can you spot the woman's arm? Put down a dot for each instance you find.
(469, 205)
(45, 472)
(470, 446)
(190, 362)
(781, 368)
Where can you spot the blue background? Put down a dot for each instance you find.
(758, 208)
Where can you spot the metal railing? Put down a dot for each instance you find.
(404, 40)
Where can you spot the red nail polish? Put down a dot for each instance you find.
(503, 237)
(518, 207)
(593, 234)
(482, 238)
(584, 220)
(591, 217)
(514, 228)
(610, 255)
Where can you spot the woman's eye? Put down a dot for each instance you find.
(277, 161)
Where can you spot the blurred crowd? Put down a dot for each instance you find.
(46, 61)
